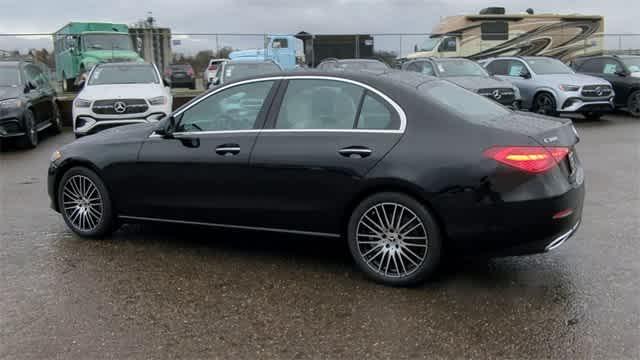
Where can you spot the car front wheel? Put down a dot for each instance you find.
(544, 104)
(394, 239)
(85, 204)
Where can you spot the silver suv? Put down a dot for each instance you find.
(548, 86)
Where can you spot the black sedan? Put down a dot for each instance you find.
(402, 166)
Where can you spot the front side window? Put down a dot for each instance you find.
(430, 44)
(124, 74)
(499, 67)
(236, 108)
(319, 104)
(107, 42)
(611, 67)
(9, 76)
(593, 66)
(633, 64)
(547, 66)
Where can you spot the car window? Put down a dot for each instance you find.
(319, 104)
(36, 75)
(280, 43)
(611, 67)
(499, 67)
(592, 66)
(516, 68)
(375, 114)
(421, 67)
(633, 64)
(236, 108)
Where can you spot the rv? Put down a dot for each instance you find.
(494, 33)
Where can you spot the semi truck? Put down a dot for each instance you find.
(493, 32)
(78, 46)
(278, 48)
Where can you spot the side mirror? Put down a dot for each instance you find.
(622, 73)
(166, 81)
(167, 128)
(525, 75)
(30, 85)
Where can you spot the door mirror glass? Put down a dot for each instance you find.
(30, 85)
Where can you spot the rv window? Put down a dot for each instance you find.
(495, 30)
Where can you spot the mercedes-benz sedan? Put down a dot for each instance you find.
(400, 165)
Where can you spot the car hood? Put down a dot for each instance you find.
(119, 134)
(476, 83)
(9, 92)
(572, 79)
(121, 91)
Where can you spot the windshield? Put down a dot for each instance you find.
(9, 76)
(545, 66)
(239, 70)
(633, 64)
(107, 42)
(468, 105)
(460, 68)
(429, 44)
(124, 74)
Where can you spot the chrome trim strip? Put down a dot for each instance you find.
(355, 151)
(240, 227)
(562, 238)
(228, 149)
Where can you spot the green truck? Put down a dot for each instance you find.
(78, 46)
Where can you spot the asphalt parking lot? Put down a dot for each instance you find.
(175, 292)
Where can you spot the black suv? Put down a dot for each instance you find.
(623, 72)
(27, 103)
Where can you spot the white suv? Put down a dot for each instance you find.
(119, 94)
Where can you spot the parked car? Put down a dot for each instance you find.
(211, 70)
(236, 69)
(352, 64)
(470, 75)
(27, 103)
(622, 71)
(181, 75)
(401, 166)
(549, 87)
(120, 94)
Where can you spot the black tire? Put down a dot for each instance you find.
(99, 225)
(633, 104)
(30, 138)
(593, 116)
(56, 121)
(545, 104)
(409, 269)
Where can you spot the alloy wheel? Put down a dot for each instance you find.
(391, 239)
(544, 105)
(82, 203)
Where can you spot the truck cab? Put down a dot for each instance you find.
(278, 48)
(438, 46)
(80, 46)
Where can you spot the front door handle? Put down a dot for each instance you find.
(355, 152)
(228, 149)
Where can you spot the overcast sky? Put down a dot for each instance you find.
(286, 16)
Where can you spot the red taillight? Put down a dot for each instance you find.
(213, 67)
(532, 159)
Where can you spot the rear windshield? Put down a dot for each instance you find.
(468, 105)
(239, 70)
(359, 65)
(545, 66)
(9, 76)
(460, 68)
(125, 74)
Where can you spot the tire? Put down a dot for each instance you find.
(593, 116)
(56, 122)
(633, 104)
(409, 254)
(30, 138)
(85, 203)
(545, 104)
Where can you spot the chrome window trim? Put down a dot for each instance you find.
(396, 107)
(240, 227)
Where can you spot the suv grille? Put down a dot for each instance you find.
(505, 96)
(596, 90)
(120, 106)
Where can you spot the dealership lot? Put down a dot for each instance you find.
(164, 292)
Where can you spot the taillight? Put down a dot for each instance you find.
(532, 159)
(213, 67)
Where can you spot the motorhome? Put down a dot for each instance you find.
(493, 32)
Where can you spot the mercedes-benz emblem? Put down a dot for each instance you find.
(599, 91)
(119, 107)
(496, 94)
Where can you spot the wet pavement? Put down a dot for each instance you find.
(159, 292)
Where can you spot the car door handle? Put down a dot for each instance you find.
(355, 152)
(228, 149)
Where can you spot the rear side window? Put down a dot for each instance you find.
(468, 105)
(592, 66)
(376, 115)
(499, 67)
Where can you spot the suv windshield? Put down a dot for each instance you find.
(633, 64)
(545, 66)
(124, 74)
(9, 76)
(460, 67)
(429, 44)
(239, 70)
(107, 42)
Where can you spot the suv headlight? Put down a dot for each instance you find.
(81, 103)
(10, 103)
(564, 87)
(160, 100)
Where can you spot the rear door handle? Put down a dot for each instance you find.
(228, 149)
(355, 152)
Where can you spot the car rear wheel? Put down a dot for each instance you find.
(544, 104)
(394, 239)
(634, 104)
(85, 204)
(30, 138)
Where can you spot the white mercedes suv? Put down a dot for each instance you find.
(119, 94)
